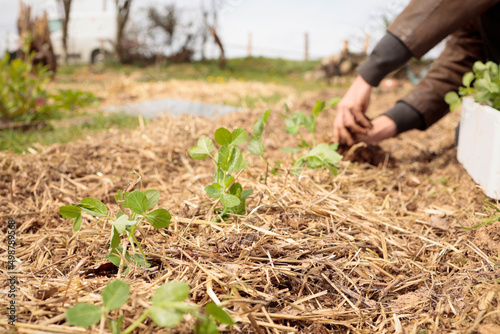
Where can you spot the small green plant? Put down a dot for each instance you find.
(167, 309)
(136, 207)
(483, 83)
(22, 96)
(317, 155)
(255, 145)
(229, 159)
(486, 222)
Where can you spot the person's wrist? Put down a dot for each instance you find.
(383, 128)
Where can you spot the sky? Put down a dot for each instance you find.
(277, 27)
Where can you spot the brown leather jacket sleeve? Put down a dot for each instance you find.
(462, 49)
(422, 25)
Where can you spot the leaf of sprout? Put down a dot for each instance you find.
(238, 137)
(138, 202)
(214, 191)
(265, 116)
(219, 314)
(100, 210)
(159, 218)
(334, 101)
(83, 314)
(153, 197)
(255, 146)
(319, 107)
(223, 137)
(229, 200)
(69, 211)
(122, 223)
(77, 223)
(115, 238)
(467, 79)
(115, 294)
(203, 149)
(258, 128)
(206, 326)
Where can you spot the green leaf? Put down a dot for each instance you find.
(319, 107)
(100, 210)
(246, 193)
(467, 79)
(229, 200)
(332, 157)
(453, 100)
(138, 202)
(83, 314)
(153, 197)
(239, 136)
(206, 326)
(214, 191)
(173, 291)
(255, 146)
(258, 128)
(334, 146)
(222, 178)
(223, 137)
(166, 317)
(159, 218)
(115, 238)
(219, 314)
(77, 223)
(69, 211)
(115, 294)
(309, 123)
(265, 116)
(204, 147)
(119, 200)
(123, 223)
(230, 159)
(290, 150)
(286, 107)
(334, 101)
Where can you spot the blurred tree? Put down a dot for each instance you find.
(65, 9)
(123, 12)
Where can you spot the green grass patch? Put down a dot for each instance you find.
(19, 141)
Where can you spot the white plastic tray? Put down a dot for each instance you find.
(479, 145)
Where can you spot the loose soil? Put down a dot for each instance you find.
(376, 249)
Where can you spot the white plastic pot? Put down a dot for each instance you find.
(479, 145)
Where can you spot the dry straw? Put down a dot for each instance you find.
(374, 250)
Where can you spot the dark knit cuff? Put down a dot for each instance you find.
(388, 55)
(406, 117)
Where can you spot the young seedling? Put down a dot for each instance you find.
(167, 309)
(317, 155)
(255, 145)
(228, 159)
(485, 81)
(486, 222)
(136, 207)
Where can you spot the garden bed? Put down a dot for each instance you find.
(376, 249)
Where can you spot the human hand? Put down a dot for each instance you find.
(383, 128)
(350, 120)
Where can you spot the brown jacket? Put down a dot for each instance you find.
(423, 24)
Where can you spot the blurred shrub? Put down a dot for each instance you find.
(24, 98)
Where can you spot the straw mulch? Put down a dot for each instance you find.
(376, 249)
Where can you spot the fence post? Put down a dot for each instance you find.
(249, 47)
(306, 56)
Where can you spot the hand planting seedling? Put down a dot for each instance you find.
(167, 309)
(317, 155)
(136, 207)
(485, 80)
(229, 159)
